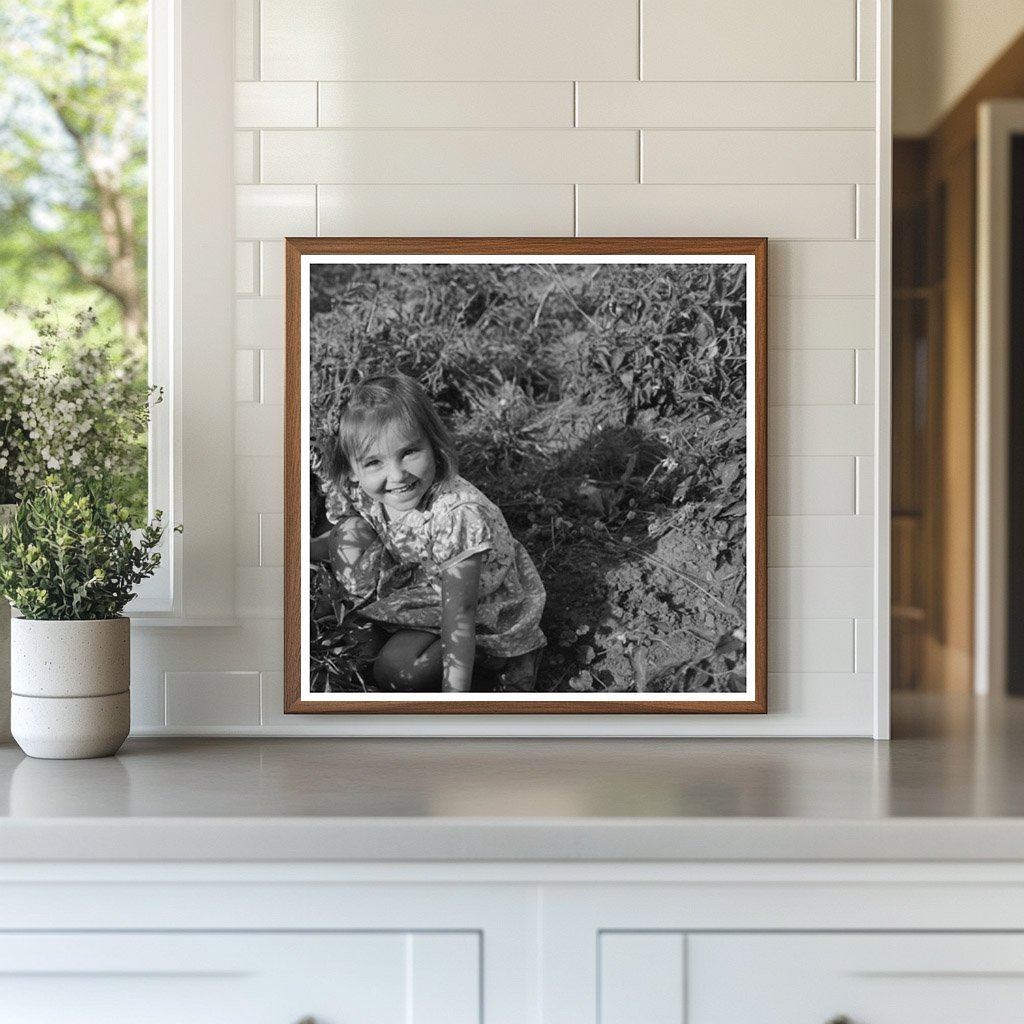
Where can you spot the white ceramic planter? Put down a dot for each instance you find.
(69, 683)
(66, 727)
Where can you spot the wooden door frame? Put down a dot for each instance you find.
(998, 121)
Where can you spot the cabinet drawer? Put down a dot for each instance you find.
(241, 978)
(866, 978)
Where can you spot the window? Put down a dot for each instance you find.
(183, 209)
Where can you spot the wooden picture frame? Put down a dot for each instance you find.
(611, 395)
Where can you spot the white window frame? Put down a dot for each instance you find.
(191, 288)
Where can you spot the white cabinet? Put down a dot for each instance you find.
(817, 978)
(241, 978)
(787, 943)
(868, 979)
(511, 943)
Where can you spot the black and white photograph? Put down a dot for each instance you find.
(525, 480)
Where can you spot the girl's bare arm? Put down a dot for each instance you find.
(460, 587)
(349, 539)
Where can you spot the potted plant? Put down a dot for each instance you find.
(72, 405)
(69, 563)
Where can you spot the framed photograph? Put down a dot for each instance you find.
(525, 475)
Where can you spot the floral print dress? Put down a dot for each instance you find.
(397, 581)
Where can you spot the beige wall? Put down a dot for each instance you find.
(940, 48)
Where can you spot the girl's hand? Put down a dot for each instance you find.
(460, 588)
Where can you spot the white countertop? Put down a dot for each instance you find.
(947, 787)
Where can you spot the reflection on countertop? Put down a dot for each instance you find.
(946, 787)
(949, 758)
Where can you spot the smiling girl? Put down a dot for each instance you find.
(444, 578)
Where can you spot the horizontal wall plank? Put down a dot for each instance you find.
(811, 645)
(149, 703)
(726, 105)
(245, 268)
(867, 25)
(864, 650)
(212, 698)
(247, 538)
(446, 105)
(211, 649)
(811, 377)
(271, 376)
(821, 268)
(259, 592)
(246, 375)
(449, 40)
(271, 538)
(270, 211)
(259, 429)
(735, 40)
(271, 269)
(808, 540)
(447, 157)
(447, 210)
(246, 49)
(246, 150)
(865, 377)
(830, 592)
(866, 210)
(259, 484)
(259, 323)
(775, 211)
(775, 157)
(865, 485)
(275, 104)
(821, 430)
(799, 704)
(814, 486)
(824, 703)
(847, 323)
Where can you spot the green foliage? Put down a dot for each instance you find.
(603, 408)
(71, 554)
(75, 407)
(341, 648)
(73, 154)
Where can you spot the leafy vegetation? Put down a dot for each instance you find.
(603, 408)
(74, 405)
(71, 554)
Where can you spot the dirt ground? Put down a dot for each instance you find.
(646, 615)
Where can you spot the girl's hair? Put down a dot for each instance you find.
(384, 401)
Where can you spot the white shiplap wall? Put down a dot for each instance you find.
(561, 117)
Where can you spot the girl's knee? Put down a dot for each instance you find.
(409, 661)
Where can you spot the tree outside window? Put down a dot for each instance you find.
(73, 173)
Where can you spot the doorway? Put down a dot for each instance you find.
(952, 594)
